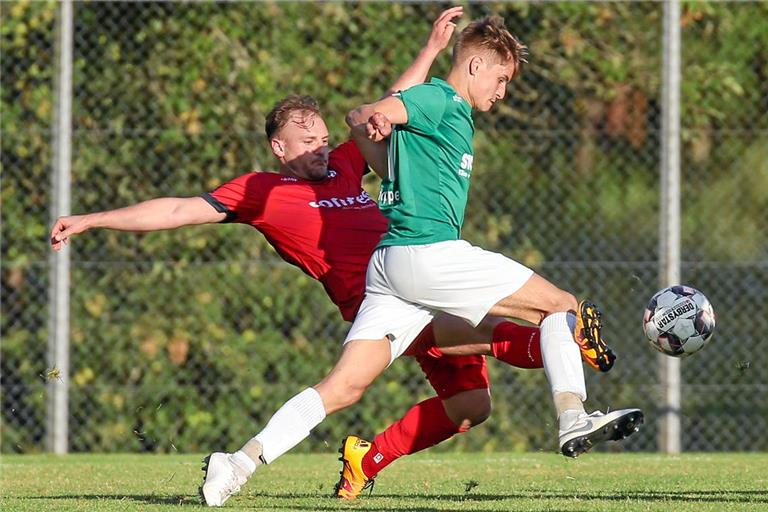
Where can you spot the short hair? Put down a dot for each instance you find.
(281, 113)
(490, 34)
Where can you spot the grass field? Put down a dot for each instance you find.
(427, 482)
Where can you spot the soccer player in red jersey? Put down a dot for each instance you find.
(317, 216)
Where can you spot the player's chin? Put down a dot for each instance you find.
(486, 106)
(318, 173)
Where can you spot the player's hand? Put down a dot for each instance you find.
(64, 227)
(378, 127)
(442, 28)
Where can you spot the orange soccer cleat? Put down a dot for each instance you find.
(352, 480)
(589, 339)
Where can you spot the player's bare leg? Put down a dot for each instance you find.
(504, 340)
(343, 386)
(348, 379)
(554, 310)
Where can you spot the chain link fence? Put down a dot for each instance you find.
(189, 340)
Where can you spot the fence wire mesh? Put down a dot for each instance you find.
(188, 340)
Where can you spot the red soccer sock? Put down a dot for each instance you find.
(517, 345)
(425, 424)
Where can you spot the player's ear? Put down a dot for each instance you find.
(474, 64)
(278, 147)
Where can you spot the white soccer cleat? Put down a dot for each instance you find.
(586, 430)
(222, 479)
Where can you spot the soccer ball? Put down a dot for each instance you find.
(679, 321)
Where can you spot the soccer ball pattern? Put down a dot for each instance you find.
(679, 321)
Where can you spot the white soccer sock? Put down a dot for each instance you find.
(561, 356)
(291, 424)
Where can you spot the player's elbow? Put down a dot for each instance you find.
(354, 118)
(357, 118)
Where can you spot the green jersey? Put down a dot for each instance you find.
(430, 163)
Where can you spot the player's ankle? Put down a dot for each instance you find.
(566, 402)
(249, 457)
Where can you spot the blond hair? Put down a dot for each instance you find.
(284, 109)
(491, 35)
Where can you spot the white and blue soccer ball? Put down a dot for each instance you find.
(679, 321)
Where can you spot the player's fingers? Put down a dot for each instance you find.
(377, 119)
(59, 232)
(56, 228)
(449, 14)
(56, 245)
(373, 134)
(74, 229)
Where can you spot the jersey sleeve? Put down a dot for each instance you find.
(425, 105)
(348, 158)
(240, 199)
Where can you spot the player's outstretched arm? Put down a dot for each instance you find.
(152, 215)
(369, 131)
(442, 30)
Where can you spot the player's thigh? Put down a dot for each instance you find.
(386, 316)
(536, 299)
(450, 331)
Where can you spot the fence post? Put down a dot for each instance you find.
(669, 250)
(57, 428)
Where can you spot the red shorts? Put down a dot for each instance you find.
(450, 375)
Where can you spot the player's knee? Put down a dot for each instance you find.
(349, 394)
(480, 412)
(337, 396)
(355, 394)
(470, 410)
(559, 302)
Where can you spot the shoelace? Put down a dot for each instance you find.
(369, 485)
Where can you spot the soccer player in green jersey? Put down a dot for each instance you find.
(388, 323)
(421, 265)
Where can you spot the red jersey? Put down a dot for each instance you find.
(327, 228)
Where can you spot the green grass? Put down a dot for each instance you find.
(427, 482)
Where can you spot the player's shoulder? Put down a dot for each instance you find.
(267, 177)
(256, 181)
(427, 89)
(434, 95)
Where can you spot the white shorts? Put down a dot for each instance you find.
(406, 284)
